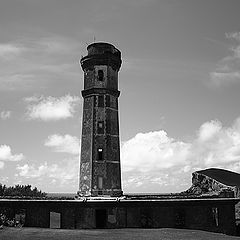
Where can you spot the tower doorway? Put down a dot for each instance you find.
(101, 218)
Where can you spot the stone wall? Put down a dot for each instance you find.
(215, 218)
(216, 215)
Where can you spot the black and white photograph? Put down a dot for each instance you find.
(120, 119)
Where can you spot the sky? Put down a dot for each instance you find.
(179, 82)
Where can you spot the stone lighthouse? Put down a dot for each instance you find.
(100, 172)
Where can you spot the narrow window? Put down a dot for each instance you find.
(107, 101)
(100, 182)
(100, 127)
(100, 75)
(100, 101)
(100, 154)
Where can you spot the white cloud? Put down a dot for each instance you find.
(63, 173)
(209, 130)
(8, 51)
(228, 69)
(5, 115)
(153, 151)
(233, 35)
(154, 159)
(150, 161)
(220, 148)
(51, 108)
(218, 78)
(3, 179)
(6, 155)
(65, 143)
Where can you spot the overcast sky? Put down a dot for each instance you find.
(179, 82)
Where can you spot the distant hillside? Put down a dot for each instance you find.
(223, 176)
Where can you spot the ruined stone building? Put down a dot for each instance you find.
(101, 202)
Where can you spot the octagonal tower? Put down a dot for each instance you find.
(100, 172)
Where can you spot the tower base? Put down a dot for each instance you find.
(103, 193)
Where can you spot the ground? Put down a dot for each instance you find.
(107, 234)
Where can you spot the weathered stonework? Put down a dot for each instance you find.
(100, 172)
(209, 214)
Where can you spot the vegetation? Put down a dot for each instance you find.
(61, 196)
(20, 191)
(5, 221)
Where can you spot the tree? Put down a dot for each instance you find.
(21, 191)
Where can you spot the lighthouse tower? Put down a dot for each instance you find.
(100, 172)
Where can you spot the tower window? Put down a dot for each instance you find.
(100, 182)
(100, 75)
(100, 127)
(100, 101)
(107, 101)
(100, 154)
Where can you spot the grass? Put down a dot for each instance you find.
(107, 234)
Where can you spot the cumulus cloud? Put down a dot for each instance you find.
(63, 173)
(209, 129)
(65, 143)
(150, 152)
(234, 35)
(5, 115)
(228, 69)
(220, 147)
(150, 161)
(6, 155)
(155, 160)
(51, 108)
(8, 51)
(3, 179)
